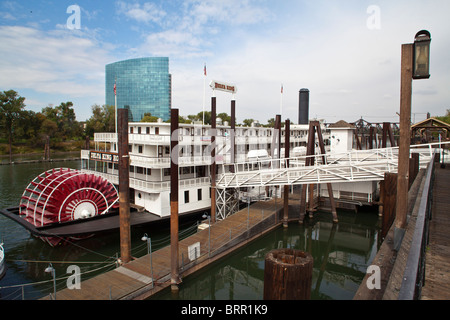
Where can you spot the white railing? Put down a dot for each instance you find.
(355, 165)
(149, 186)
(144, 139)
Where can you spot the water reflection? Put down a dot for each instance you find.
(341, 252)
(341, 255)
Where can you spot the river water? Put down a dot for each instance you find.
(342, 252)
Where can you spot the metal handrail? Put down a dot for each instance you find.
(413, 274)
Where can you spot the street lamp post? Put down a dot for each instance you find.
(149, 252)
(421, 66)
(414, 65)
(204, 216)
(51, 270)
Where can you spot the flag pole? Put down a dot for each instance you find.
(115, 104)
(281, 100)
(204, 93)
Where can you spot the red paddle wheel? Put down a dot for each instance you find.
(61, 195)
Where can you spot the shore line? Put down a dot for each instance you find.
(40, 160)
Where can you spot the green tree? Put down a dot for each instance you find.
(29, 125)
(224, 116)
(11, 107)
(445, 118)
(207, 117)
(65, 118)
(102, 120)
(248, 122)
(270, 123)
(149, 118)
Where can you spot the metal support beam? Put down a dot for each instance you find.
(124, 186)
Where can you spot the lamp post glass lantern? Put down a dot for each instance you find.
(421, 68)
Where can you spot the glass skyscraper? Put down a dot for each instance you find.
(142, 85)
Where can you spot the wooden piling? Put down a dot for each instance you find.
(233, 131)
(413, 168)
(288, 275)
(124, 186)
(47, 148)
(213, 159)
(389, 194)
(174, 279)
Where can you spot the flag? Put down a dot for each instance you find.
(204, 70)
(281, 88)
(115, 88)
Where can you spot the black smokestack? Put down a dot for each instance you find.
(303, 107)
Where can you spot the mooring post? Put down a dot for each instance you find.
(278, 127)
(175, 279)
(124, 186)
(288, 275)
(413, 168)
(233, 132)
(276, 145)
(388, 192)
(286, 157)
(213, 160)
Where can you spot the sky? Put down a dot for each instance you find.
(346, 52)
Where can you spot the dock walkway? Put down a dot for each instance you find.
(437, 265)
(134, 279)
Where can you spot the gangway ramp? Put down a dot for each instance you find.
(352, 166)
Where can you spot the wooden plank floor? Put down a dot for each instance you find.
(437, 268)
(136, 274)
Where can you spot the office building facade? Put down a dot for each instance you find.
(142, 85)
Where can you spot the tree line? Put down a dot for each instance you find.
(59, 122)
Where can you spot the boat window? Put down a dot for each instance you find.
(186, 196)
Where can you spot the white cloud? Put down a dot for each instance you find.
(148, 12)
(54, 61)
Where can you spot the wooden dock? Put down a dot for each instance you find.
(437, 267)
(134, 279)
